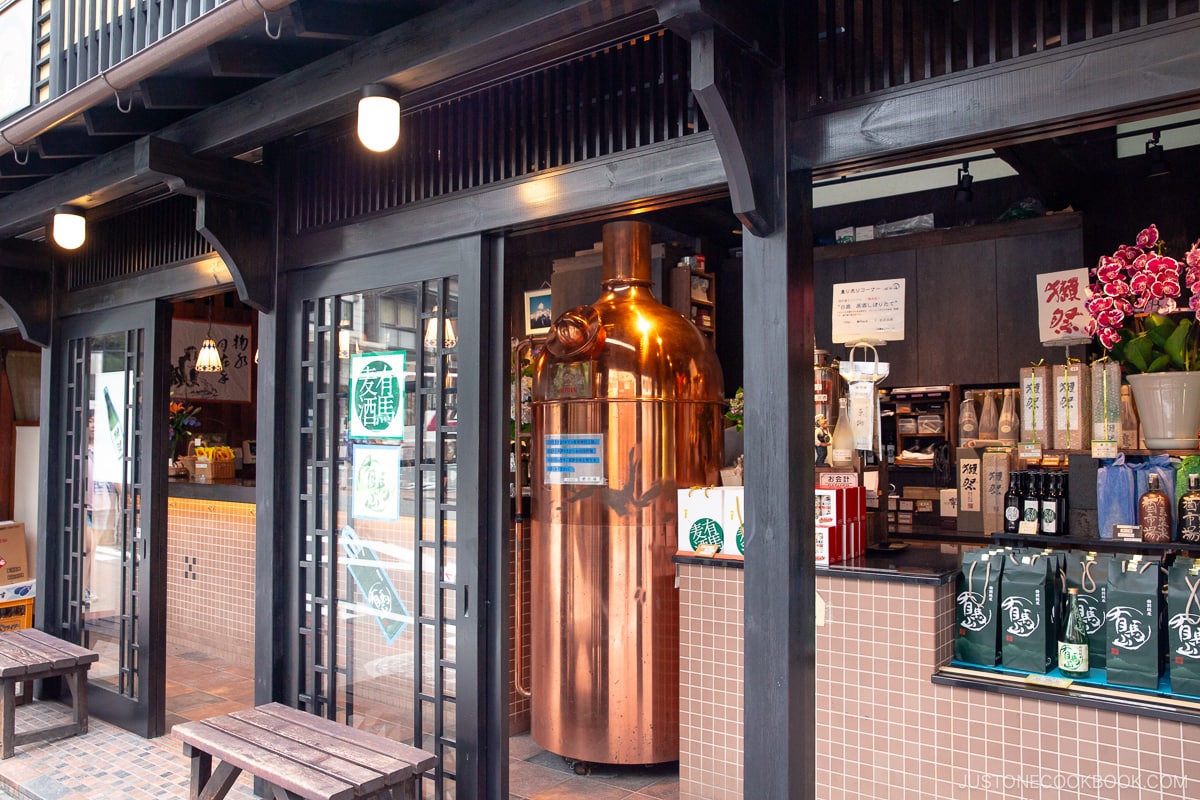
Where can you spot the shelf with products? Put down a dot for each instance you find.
(694, 293)
(921, 424)
(1131, 546)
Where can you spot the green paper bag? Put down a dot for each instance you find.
(1029, 613)
(978, 607)
(1132, 623)
(1183, 626)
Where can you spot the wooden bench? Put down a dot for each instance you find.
(299, 755)
(29, 655)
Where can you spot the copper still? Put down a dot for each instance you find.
(628, 404)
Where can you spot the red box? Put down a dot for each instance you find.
(841, 505)
(831, 541)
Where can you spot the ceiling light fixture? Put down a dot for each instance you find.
(963, 193)
(378, 117)
(1156, 162)
(209, 357)
(449, 335)
(69, 229)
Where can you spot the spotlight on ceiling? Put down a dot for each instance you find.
(378, 118)
(1156, 162)
(963, 193)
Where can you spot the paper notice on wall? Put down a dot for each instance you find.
(1062, 318)
(574, 458)
(970, 485)
(868, 311)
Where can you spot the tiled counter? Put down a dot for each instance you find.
(210, 577)
(884, 729)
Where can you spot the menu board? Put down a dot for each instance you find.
(868, 311)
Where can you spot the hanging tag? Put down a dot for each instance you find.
(861, 376)
(1104, 449)
(862, 414)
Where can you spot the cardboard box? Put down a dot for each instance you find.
(1036, 401)
(970, 489)
(841, 505)
(997, 463)
(830, 539)
(14, 564)
(844, 235)
(864, 233)
(1072, 417)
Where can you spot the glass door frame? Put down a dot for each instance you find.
(60, 592)
(480, 702)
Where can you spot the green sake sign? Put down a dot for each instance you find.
(377, 395)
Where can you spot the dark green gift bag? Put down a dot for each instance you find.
(1183, 626)
(1028, 612)
(1132, 623)
(978, 603)
(1088, 572)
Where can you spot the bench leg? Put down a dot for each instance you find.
(77, 682)
(8, 717)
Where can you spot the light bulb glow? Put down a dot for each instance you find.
(69, 228)
(209, 358)
(378, 122)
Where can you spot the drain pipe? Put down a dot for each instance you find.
(208, 29)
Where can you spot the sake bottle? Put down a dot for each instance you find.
(968, 423)
(1154, 512)
(1129, 420)
(1012, 503)
(1031, 500)
(989, 419)
(1073, 640)
(1010, 422)
(841, 446)
(1189, 511)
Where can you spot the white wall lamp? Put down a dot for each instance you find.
(378, 117)
(69, 228)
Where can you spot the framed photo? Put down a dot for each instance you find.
(537, 312)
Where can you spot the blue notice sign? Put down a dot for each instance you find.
(574, 458)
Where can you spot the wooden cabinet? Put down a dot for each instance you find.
(693, 294)
(970, 300)
(924, 424)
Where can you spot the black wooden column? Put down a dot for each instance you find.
(780, 646)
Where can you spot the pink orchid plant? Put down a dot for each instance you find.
(1134, 301)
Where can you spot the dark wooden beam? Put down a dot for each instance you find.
(10, 185)
(186, 174)
(242, 233)
(455, 39)
(317, 19)
(250, 60)
(26, 270)
(753, 26)
(733, 89)
(76, 144)
(190, 93)
(1150, 71)
(35, 166)
(108, 121)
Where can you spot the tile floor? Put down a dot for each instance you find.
(108, 763)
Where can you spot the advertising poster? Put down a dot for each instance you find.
(376, 482)
(377, 396)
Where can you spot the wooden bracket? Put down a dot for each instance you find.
(241, 233)
(182, 172)
(26, 287)
(740, 99)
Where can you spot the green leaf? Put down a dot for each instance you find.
(1177, 344)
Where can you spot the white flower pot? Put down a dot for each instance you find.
(1168, 405)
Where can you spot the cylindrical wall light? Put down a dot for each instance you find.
(69, 228)
(378, 118)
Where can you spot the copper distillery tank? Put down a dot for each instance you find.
(604, 606)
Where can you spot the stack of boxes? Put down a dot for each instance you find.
(16, 589)
(841, 519)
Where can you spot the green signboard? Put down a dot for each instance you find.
(377, 395)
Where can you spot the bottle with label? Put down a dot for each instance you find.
(841, 449)
(1073, 640)
(1129, 420)
(968, 423)
(1031, 500)
(1053, 505)
(1012, 503)
(1154, 513)
(989, 418)
(1189, 511)
(1010, 422)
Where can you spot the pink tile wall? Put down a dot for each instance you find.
(210, 578)
(885, 731)
(710, 678)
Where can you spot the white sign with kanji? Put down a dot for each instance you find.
(1062, 318)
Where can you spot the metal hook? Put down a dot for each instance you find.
(117, 94)
(267, 23)
(14, 149)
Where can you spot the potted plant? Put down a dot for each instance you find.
(1134, 301)
(731, 475)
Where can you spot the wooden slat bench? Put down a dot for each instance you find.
(299, 755)
(29, 655)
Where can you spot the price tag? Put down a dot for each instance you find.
(1028, 526)
(1052, 681)
(1030, 451)
(1128, 532)
(707, 550)
(1104, 449)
